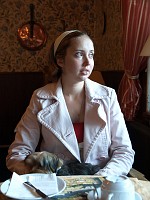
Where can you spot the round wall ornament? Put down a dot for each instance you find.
(32, 35)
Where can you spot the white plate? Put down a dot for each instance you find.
(91, 197)
(5, 185)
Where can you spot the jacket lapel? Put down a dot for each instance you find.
(95, 116)
(57, 119)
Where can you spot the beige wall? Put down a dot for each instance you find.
(84, 14)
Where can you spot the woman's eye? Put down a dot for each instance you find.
(79, 54)
(91, 55)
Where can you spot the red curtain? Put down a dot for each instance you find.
(136, 28)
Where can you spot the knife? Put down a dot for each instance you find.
(39, 192)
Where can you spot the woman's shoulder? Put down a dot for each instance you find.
(46, 91)
(99, 89)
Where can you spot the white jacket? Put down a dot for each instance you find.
(106, 139)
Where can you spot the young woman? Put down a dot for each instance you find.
(78, 119)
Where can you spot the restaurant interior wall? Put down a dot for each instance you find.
(100, 19)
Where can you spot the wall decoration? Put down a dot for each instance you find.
(32, 35)
(56, 16)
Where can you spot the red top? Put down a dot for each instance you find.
(79, 130)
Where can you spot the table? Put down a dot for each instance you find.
(78, 187)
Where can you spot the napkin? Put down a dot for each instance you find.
(47, 183)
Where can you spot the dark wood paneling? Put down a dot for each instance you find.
(15, 93)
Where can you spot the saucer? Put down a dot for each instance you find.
(137, 196)
(90, 196)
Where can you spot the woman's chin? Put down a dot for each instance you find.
(83, 78)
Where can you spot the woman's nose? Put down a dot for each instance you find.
(86, 60)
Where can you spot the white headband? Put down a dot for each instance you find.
(60, 38)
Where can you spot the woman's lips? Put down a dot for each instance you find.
(85, 72)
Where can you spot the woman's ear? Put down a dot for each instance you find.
(60, 62)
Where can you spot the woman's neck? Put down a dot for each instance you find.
(74, 89)
(75, 100)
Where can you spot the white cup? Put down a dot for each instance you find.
(117, 188)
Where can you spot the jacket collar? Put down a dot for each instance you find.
(94, 91)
